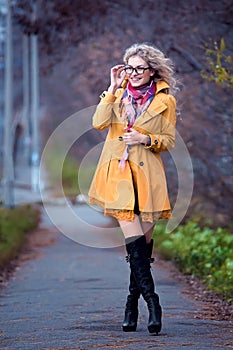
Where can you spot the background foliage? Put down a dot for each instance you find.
(202, 252)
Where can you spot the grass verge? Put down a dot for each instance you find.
(69, 174)
(75, 179)
(14, 224)
(202, 252)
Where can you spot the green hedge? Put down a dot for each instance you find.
(14, 223)
(69, 170)
(203, 252)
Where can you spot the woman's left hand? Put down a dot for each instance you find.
(133, 137)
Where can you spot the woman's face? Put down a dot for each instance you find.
(135, 78)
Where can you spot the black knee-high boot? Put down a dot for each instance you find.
(131, 308)
(140, 267)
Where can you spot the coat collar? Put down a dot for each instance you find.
(156, 107)
(161, 85)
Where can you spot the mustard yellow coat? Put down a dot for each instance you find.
(115, 189)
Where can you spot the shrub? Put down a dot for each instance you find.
(14, 223)
(220, 64)
(69, 173)
(203, 252)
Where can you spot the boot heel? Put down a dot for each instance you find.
(129, 328)
(153, 329)
(155, 315)
(131, 314)
(130, 322)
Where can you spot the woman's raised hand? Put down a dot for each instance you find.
(117, 76)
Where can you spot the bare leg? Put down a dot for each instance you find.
(131, 228)
(147, 228)
(137, 228)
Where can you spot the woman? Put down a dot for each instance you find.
(130, 182)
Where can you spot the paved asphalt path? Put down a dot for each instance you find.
(72, 296)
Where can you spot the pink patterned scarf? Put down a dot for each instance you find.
(133, 103)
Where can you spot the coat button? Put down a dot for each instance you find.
(141, 163)
(156, 142)
(120, 138)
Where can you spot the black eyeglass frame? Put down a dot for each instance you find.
(132, 69)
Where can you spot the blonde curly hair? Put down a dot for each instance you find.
(163, 66)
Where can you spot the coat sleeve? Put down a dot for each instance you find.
(165, 139)
(104, 111)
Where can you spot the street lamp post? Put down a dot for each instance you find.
(8, 167)
(35, 156)
(26, 94)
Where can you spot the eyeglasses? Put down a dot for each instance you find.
(138, 70)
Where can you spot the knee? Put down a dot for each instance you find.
(148, 236)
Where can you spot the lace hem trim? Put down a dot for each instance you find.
(128, 215)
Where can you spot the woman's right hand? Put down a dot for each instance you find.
(117, 76)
